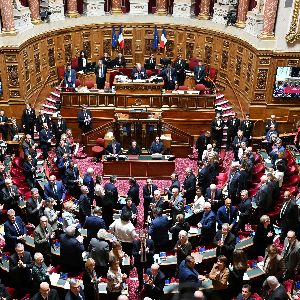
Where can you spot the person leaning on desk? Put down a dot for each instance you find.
(138, 72)
(113, 148)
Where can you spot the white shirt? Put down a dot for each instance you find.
(123, 231)
(198, 204)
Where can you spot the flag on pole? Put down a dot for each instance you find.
(163, 38)
(155, 39)
(121, 38)
(113, 38)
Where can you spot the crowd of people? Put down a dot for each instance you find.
(71, 202)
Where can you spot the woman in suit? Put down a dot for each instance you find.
(90, 280)
(82, 61)
(264, 236)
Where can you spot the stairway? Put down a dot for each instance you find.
(52, 102)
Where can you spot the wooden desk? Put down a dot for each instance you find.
(138, 87)
(141, 168)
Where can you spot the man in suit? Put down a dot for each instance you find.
(291, 255)
(237, 144)
(41, 119)
(29, 167)
(29, 146)
(84, 204)
(63, 163)
(34, 207)
(227, 214)
(202, 142)
(72, 180)
(113, 148)
(157, 201)
(207, 224)
(89, 182)
(288, 216)
(14, 230)
(28, 119)
(271, 122)
(143, 252)
(157, 146)
(45, 140)
(10, 195)
(158, 230)
(70, 77)
(100, 72)
(177, 204)
(233, 124)
(214, 196)
(217, 130)
(3, 125)
(187, 272)
(55, 189)
(59, 127)
(119, 61)
(247, 127)
(134, 191)
(170, 77)
(106, 60)
(200, 73)
(277, 290)
(154, 282)
(42, 239)
(76, 291)
(150, 63)
(174, 183)
(85, 118)
(180, 65)
(62, 148)
(134, 149)
(138, 72)
(71, 249)
(204, 175)
(225, 241)
(189, 186)
(110, 200)
(148, 193)
(244, 210)
(20, 265)
(246, 293)
(45, 293)
(263, 197)
(233, 183)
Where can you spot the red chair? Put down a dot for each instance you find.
(77, 83)
(293, 181)
(200, 87)
(99, 148)
(18, 162)
(292, 170)
(255, 296)
(149, 73)
(183, 88)
(212, 74)
(259, 168)
(61, 72)
(17, 173)
(193, 63)
(74, 63)
(89, 84)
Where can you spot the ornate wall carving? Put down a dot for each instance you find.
(13, 76)
(262, 75)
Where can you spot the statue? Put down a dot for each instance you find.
(260, 6)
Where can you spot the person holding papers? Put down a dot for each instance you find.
(85, 119)
(138, 72)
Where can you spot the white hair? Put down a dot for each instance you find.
(272, 281)
(70, 230)
(37, 255)
(90, 170)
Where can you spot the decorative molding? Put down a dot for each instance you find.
(259, 97)
(264, 61)
(294, 31)
(13, 76)
(293, 62)
(262, 76)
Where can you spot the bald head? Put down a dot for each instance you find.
(44, 289)
(264, 179)
(123, 297)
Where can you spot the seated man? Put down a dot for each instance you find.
(157, 146)
(134, 149)
(10, 195)
(45, 293)
(70, 77)
(138, 72)
(113, 148)
(154, 282)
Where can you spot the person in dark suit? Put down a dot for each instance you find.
(130, 208)
(204, 175)
(158, 230)
(244, 210)
(10, 195)
(29, 167)
(34, 207)
(138, 72)
(227, 214)
(202, 142)
(14, 230)
(3, 125)
(28, 119)
(134, 191)
(288, 216)
(180, 65)
(214, 196)
(90, 280)
(71, 249)
(134, 149)
(113, 148)
(148, 194)
(72, 180)
(63, 163)
(237, 144)
(273, 263)
(246, 293)
(59, 127)
(62, 148)
(263, 197)
(41, 119)
(89, 182)
(143, 252)
(45, 140)
(46, 293)
(187, 272)
(55, 189)
(189, 185)
(29, 146)
(154, 282)
(85, 118)
(200, 73)
(247, 127)
(110, 200)
(82, 61)
(271, 122)
(170, 77)
(100, 72)
(106, 60)
(20, 265)
(217, 130)
(277, 290)
(70, 77)
(233, 124)
(157, 202)
(225, 241)
(157, 146)
(207, 224)
(76, 292)
(14, 129)
(119, 61)
(174, 183)
(233, 183)
(84, 204)
(150, 63)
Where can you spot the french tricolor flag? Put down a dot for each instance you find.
(163, 38)
(121, 38)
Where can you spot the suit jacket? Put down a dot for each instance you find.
(93, 224)
(33, 213)
(169, 75)
(288, 216)
(40, 120)
(186, 274)
(199, 73)
(139, 74)
(214, 126)
(150, 63)
(27, 167)
(208, 222)
(222, 216)
(202, 143)
(70, 78)
(84, 204)
(80, 118)
(109, 148)
(147, 194)
(278, 294)
(238, 141)
(261, 240)
(134, 194)
(14, 130)
(175, 184)
(72, 296)
(60, 193)
(53, 295)
(134, 151)
(89, 182)
(189, 186)
(240, 297)
(11, 233)
(41, 243)
(218, 195)
(275, 266)
(104, 70)
(111, 192)
(229, 244)
(247, 128)
(291, 257)
(180, 65)
(263, 198)
(99, 251)
(158, 230)
(233, 125)
(233, 184)
(71, 178)
(136, 248)
(45, 136)
(28, 118)
(157, 148)
(106, 61)
(157, 290)
(119, 63)
(245, 208)
(204, 178)
(59, 128)
(10, 198)
(268, 124)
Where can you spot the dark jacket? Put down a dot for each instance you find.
(134, 194)
(275, 267)
(109, 148)
(59, 194)
(278, 294)
(111, 192)
(136, 74)
(288, 216)
(136, 248)
(157, 290)
(71, 178)
(99, 251)
(89, 182)
(33, 213)
(45, 136)
(71, 296)
(119, 62)
(84, 204)
(53, 295)
(93, 224)
(208, 229)
(186, 274)
(157, 148)
(229, 244)
(223, 217)
(10, 200)
(158, 230)
(11, 233)
(189, 186)
(263, 199)
(261, 240)
(148, 193)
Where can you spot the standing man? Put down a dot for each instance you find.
(10, 195)
(237, 144)
(59, 127)
(217, 130)
(271, 122)
(45, 140)
(170, 77)
(70, 77)
(150, 63)
(85, 118)
(3, 125)
(106, 60)
(154, 282)
(84, 204)
(227, 214)
(100, 72)
(189, 186)
(174, 183)
(244, 210)
(148, 193)
(88, 181)
(180, 65)
(233, 125)
(207, 224)
(40, 120)
(55, 189)
(177, 204)
(119, 61)
(247, 127)
(202, 142)
(200, 73)
(35, 207)
(28, 119)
